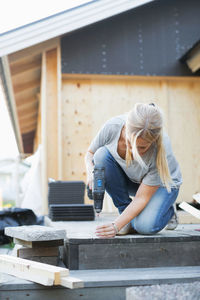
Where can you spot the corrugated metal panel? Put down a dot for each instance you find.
(63, 23)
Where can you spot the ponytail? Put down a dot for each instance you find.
(161, 163)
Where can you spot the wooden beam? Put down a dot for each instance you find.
(60, 111)
(194, 61)
(28, 129)
(27, 253)
(27, 66)
(49, 119)
(34, 50)
(27, 94)
(26, 102)
(38, 244)
(38, 140)
(26, 86)
(23, 115)
(30, 270)
(27, 122)
(29, 76)
(71, 282)
(129, 77)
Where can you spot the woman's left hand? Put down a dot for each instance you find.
(106, 231)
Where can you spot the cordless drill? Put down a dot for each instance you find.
(98, 188)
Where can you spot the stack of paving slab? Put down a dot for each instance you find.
(66, 192)
(37, 243)
(66, 202)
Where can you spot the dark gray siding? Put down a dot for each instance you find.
(148, 40)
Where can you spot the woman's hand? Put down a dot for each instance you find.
(90, 180)
(106, 231)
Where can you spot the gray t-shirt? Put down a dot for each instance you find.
(109, 135)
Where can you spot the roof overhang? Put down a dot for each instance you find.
(192, 57)
(63, 23)
(20, 63)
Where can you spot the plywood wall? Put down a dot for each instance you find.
(88, 103)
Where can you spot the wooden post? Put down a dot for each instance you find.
(50, 103)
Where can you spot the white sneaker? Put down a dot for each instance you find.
(173, 222)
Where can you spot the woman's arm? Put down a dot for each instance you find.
(89, 167)
(142, 197)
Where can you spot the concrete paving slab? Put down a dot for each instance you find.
(85, 230)
(183, 291)
(117, 278)
(35, 233)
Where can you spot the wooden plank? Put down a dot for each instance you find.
(26, 103)
(27, 76)
(26, 66)
(25, 252)
(27, 94)
(34, 271)
(60, 111)
(26, 114)
(43, 107)
(128, 77)
(49, 120)
(194, 61)
(27, 121)
(28, 129)
(26, 86)
(38, 244)
(38, 140)
(190, 209)
(71, 282)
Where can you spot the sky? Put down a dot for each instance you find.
(13, 14)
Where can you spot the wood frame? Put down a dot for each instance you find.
(50, 118)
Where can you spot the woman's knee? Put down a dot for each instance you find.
(145, 226)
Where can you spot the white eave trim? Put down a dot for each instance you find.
(63, 23)
(11, 102)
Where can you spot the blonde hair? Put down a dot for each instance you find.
(146, 121)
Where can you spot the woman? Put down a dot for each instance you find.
(138, 162)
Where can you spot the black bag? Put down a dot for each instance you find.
(16, 217)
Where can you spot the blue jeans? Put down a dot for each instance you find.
(159, 210)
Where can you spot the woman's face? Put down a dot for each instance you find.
(142, 145)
